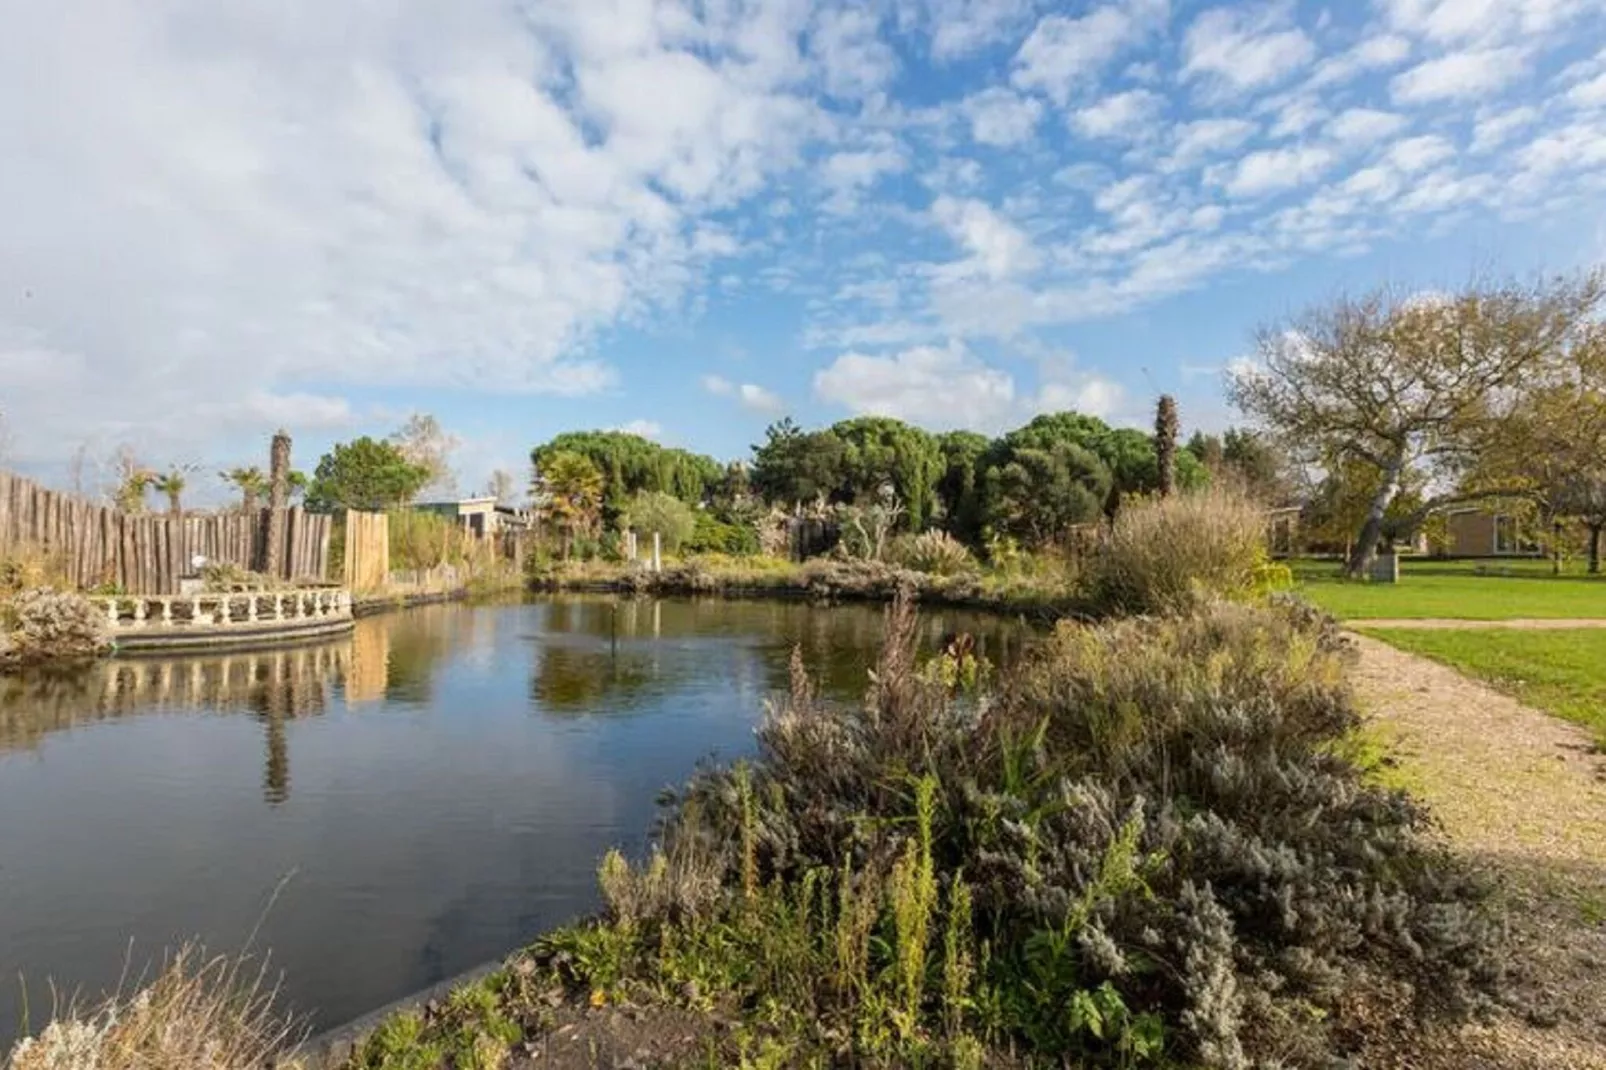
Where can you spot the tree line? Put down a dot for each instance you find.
(1030, 485)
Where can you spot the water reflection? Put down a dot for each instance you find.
(440, 783)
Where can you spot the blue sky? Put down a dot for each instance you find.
(691, 218)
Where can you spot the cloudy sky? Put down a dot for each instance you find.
(218, 217)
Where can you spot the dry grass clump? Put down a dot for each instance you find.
(198, 1013)
(936, 553)
(28, 566)
(1162, 555)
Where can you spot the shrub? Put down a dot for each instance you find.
(653, 512)
(423, 540)
(47, 625)
(1143, 848)
(1166, 554)
(933, 552)
(715, 536)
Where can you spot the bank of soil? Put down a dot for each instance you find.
(1523, 795)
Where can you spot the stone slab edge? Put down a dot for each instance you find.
(332, 1048)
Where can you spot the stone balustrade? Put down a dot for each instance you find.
(219, 611)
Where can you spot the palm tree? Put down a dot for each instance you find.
(572, 486)
(252, 485)
(172, 485)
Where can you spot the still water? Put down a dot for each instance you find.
(386, 810)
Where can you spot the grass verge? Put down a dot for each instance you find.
(1456, 591)
(1562, 671)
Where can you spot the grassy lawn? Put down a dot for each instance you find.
(1505, 590)
(1560, 671)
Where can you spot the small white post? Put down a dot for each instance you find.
(657, 552)
(278, 607)
(111, 612)
(251, 607)
(225, 606)
(167, 612)
(139, 612)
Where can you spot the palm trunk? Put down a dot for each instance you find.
(1364, 551)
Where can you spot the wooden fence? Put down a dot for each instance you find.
(93, 545)
(367, 552)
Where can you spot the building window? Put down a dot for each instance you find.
(1508, 538)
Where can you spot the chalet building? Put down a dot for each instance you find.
(482, 516)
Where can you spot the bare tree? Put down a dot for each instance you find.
(425, 443)
(1401, 383)
(502, 486)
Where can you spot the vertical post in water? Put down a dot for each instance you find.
(278, 498)
(657, 552)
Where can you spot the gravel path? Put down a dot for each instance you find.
(1447, 624)
(1524, 794)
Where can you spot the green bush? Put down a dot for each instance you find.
(1166, 555)
(715, 536)
(1144, 849)
(652, 512)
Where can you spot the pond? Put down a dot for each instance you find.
(385, 811)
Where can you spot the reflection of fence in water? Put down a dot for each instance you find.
(287, 682)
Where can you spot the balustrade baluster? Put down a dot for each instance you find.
(167, 612)
(139, 612)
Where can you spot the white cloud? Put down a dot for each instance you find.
(960, 27)
(998, 248)
(1127, 115)
(1459, 75)
(1000, 117)
(942, 387)
(1451, 22)
(1274, 170)
(749, 395)
(1589, 94)
(1243, 49)
(261, 201)
(1378, 52)
(1063, 52)
(854, 60)
(949, 387)
(1298, 114)
(1419, 153)
(1203, 138)
(1495, 128)
(1364, 126)
(645, 428)
(847, 175)
(1576, 147)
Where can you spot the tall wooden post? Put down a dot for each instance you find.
(278, 499)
